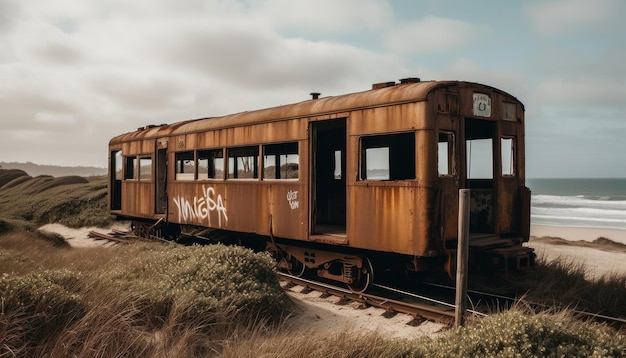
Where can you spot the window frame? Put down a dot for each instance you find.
(277, 151)
(140, 174)
(239, 153)
(512, 156)
(401, 150)
(211, 170)
(451, 153)
(180, 174)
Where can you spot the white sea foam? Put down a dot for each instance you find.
(579, 211)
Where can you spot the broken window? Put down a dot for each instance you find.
(129, 170)
(185, 165)
(243, 163)
(388, 157)
(479, 158)
(281, 161)
(446, 154)
(211, 164)
(507, 146)
(338, 166)
(145, 168)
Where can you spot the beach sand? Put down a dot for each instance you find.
(577, 245)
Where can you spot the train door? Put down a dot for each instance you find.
(115, 177)
(479, 171)
(328, 177)
(160, 205)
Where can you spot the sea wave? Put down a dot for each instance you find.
(578, 211)
(555, 201)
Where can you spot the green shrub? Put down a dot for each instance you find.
(36, 307)
(516, 334)
(203, 279)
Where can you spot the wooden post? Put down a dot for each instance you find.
(462, 256)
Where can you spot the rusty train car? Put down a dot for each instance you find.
(343, 185)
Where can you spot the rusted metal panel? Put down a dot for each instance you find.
(201, 204)
(288, 207)
(243, 205)
(383, 217)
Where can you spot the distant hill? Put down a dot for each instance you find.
(56, 171)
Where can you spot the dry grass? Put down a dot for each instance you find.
(143, 300)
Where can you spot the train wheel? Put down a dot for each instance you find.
(296, 268)
(365, 277)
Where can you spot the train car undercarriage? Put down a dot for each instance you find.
(353, 267)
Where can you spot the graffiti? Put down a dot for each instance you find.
(202, 207)
(292, 198)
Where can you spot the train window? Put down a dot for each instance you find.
(145, 168)
(479, 158)
(509, 111)
(243, 163)
(129, 170)
(185, 166)
(508, 155)
(446, 154)
(338, 167)
(211, 164)
(388, 157)
(281, 161)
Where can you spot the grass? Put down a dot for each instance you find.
(141, 300)
(158, 300)
(565, 283)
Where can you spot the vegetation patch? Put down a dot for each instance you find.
(142, 300)
(71, 200)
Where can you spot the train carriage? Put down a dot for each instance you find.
(341, 185)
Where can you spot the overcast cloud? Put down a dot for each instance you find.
(74, 73)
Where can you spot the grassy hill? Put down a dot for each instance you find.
(29, 202)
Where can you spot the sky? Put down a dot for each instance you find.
(74, 74)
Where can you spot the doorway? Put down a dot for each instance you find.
(160, 196)
(479, 172)
(328, 177)
(115, 175)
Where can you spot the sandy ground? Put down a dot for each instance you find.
(80, 237)
(577, 245)
(325, 315)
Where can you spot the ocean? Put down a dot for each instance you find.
(589, 203)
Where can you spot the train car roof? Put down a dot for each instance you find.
(412, 91)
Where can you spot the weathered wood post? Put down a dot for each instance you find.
(462, 258)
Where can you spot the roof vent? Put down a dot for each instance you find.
(383, 85)
(409, 80)
(315, 95)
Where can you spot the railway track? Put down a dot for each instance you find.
(418, 307)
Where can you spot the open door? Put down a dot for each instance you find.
(115, 176)
(160, 205)
(328, 177)
(479, 171)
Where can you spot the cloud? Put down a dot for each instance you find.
(558, 17)
(325, 16)
(434, 34)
